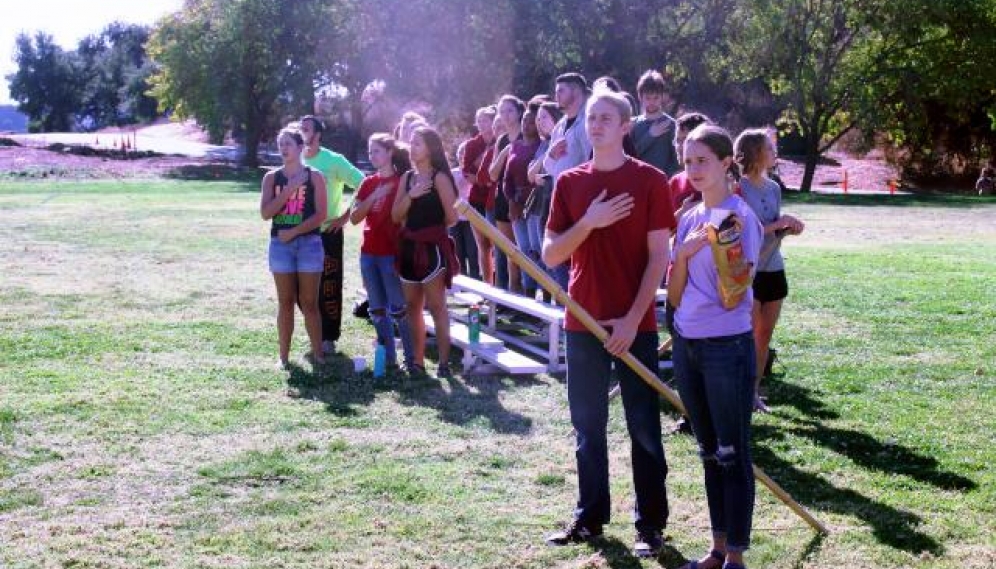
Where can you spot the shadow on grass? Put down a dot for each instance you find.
(955, 201)
(459, 401)
(619, 555)
(783, 393)
(215, 172)
(890, 526)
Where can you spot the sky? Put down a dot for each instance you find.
(68, 21)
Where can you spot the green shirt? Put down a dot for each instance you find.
(338, 173)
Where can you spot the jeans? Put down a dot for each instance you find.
(501, 261)
(716, 381)
(531, 249)
(466, 249)
(588, 370)
(387, 304)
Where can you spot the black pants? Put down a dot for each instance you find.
(466, 249)
(330, 291)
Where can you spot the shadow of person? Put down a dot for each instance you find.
(890, 526)
(781, 392)
(470, 398)
(619, 555)
(892, 458)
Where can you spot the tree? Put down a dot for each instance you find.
(116, 69)
(46, 83)
(239, 65)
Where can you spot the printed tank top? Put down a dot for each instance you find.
(298, 208)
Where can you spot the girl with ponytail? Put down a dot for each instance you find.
(716, 249)
(379, 250)
(756, 154)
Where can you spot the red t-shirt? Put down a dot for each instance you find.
(681, 188)
(380, 233)
(484, 180)
(472, 151)
(606, 269)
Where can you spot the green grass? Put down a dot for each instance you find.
(143, 424)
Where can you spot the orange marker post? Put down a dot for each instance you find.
(845, 182)
(892, 187)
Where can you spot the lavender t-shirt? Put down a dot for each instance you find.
(701, 313)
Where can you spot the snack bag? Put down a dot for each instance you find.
(724, 231)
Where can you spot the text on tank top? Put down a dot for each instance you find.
(299, 206)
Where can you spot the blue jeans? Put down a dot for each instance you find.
(588, 370)
(387, 304)
(532, 250)
(716, 381)
(501, 261)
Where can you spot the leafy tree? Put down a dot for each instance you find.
(116, 70)
(238, 65)
(46, 83)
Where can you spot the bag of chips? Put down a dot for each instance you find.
(725, 231)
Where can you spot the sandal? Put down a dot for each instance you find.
(716, 555)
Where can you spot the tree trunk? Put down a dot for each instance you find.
(253, 136)
(811, 160)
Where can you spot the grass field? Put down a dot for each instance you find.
(143, 423)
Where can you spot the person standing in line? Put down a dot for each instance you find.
(716, 250)
(293, 198)
(569, 144)
(462, 233)
(517, 189)
(379, 250)
(510, 111)
(538, 211)
(611, 219)
(338, 173)
(470, 165)
(682, 190)
(756, 155)
(654, 129)
(427, 262)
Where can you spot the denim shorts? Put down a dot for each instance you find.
(302, 255)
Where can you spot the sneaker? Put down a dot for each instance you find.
(282, 365)
(444, 372)
(648, 544)
(328, 347)
(573, 533)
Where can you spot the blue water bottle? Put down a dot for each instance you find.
(380, 360)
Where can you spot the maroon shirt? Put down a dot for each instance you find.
(474, 150)
(517, 186)
(606, 269)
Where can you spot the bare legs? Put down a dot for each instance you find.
(764, 317)
(294, 289)
(431, 295)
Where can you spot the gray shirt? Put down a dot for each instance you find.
(578, 145)
(766, 201)
(658, 151)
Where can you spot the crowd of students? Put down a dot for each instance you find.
(613, 202)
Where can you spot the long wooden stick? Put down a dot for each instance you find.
(544, 280)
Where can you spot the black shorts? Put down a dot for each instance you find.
(770, 286)
(501, 207)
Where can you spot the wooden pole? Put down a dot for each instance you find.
(592, 325)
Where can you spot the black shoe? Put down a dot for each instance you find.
(573, 533)
(772, 356)
(648, 543)
(444, 372)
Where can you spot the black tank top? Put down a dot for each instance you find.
(427, 210)
(298, 208)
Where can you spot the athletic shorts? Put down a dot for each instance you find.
(406, 263)
(770, 286)
(304, 254)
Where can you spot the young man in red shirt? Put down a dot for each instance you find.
(611, 218)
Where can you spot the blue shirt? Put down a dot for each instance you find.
(766, 201)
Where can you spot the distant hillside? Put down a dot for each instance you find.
(11, 120)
